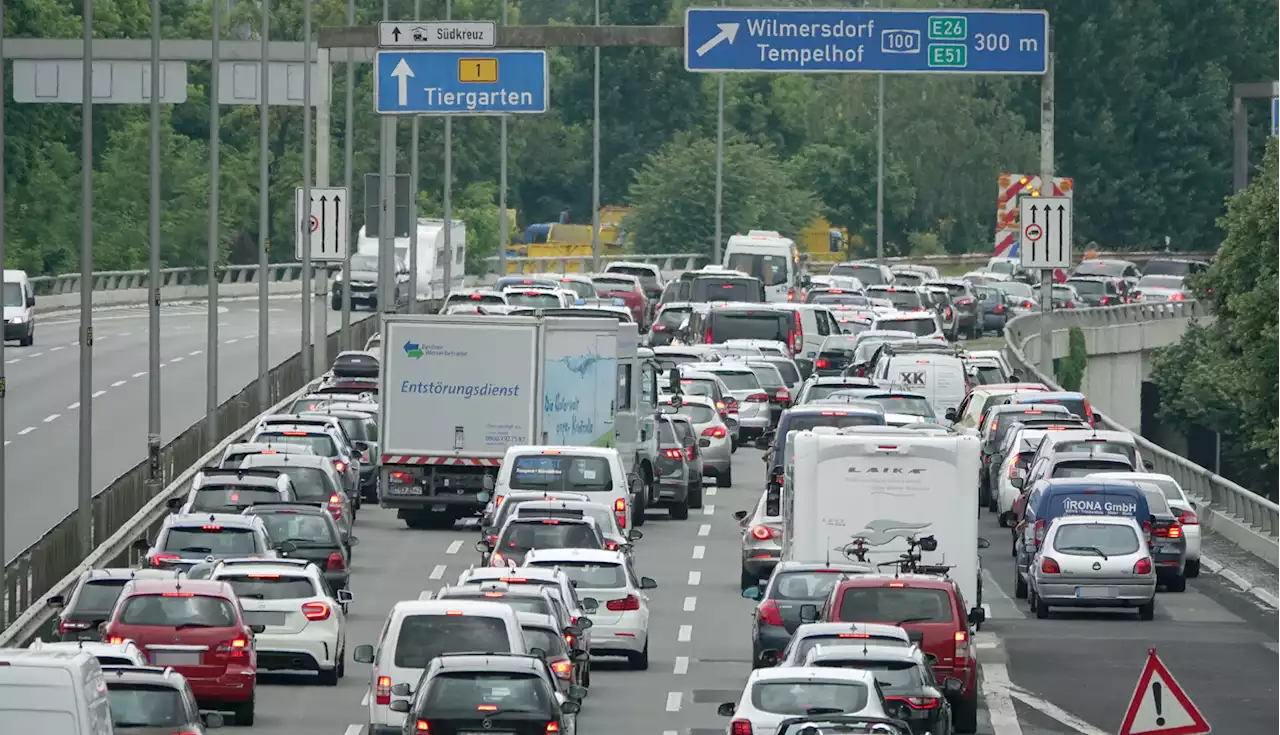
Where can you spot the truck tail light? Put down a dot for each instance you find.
(382, 694)
(620, 511)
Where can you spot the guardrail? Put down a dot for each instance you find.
(668, 263)
(1243, 517)
(980, 259)
(169, 278)
(127, 509)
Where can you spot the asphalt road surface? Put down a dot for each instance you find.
(42, 404)
(1072, 674)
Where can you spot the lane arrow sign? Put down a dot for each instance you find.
(1062, 212)
(728, 32)
(324, 223)
(403, 73)
(395, 33)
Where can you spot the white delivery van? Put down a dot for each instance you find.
(19, 308)
(883, 485)
(596, 472)
(61, 692)
(431, 254)
(938, 377)
(766, 255)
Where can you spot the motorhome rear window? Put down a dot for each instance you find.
(895, 605)
(770, 269)
(565, 473)
(725, 325)
(726, 289)
(424, 637)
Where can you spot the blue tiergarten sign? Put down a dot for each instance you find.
(461, 82)
(866, 40)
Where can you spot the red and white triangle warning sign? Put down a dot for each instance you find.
(1159, 705)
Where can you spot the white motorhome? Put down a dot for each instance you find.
(883, 485)
(766, 255)
(431, 254)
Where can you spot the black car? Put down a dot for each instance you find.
(969, 316)
(995, 309)
(906, 677)
(1174, 267)
(774, 383)
(331, 550)
(666, 324)
(835, 354)
(93, 598)
(780, 596)
(1099, 290)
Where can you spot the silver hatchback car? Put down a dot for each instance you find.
(755, 417)
(1093, 561)
(713, 437)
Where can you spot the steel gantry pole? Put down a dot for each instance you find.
(1046, 184)
(448, 187)
(504, 234)
(719, 203)
(153, 280)
(215, 146)
(264, 212)
(85, 505)
(348, 138)
(3, 384)
(304, 228)
(413, 197)
(595, 156)
(387, 199)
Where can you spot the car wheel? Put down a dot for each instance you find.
(1041, 607)
(1177, 584)
(965, 715)
(30, 339)
(680, 511)
(725, 479)
(586, 676)
(335, 304)
(1192, 569)
(1147, 611)
(638, 505)
(329, 677)
(695, 495)
(342, 659)
(640, 661)
(1019, 585)
(243, 714)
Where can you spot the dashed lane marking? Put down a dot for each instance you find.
(708, 510)
(7, 442)
(699, 552)
(690, 604)
(453, 547)
(35, 354)
(55, 349)
(682, 666)
(695, 578)
(364, 701)
(193, 353)
(996, 683)
(74, 406)
(51, 418)
(711, 491)
(117, 384)
(231, 341)
(437, 572)
(1049, 709)
(140, 373)
(26, 431)
(354, 729)
(425, 595)
(685, 634)
(99, 393)
(704, 529)
(10, 362)
(176, 359)
(673, 701)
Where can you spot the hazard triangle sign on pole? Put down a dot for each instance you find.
(1159, 705)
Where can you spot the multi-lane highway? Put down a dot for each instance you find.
(42, 404)
(1072, 674)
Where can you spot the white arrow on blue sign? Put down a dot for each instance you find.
(474, 82)
(866, 40)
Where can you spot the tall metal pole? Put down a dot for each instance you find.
(304, 230)
(153, 278)
(413, 198)
(1046, 183)
(880, 170)
(347, 148)
(595, 156)
(387, 195)
(85, 508)
(448, 187)
(264, 212)
(504, 235)
(719, 204)
(215, 182)
(3, 383)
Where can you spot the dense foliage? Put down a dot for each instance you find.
(1143, 124)
(1069, 370)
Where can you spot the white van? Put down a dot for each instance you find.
(816, 324)
(883, 485)
(766, 255)
(417, 631)
(60, 692)
(19, 308)
(940, 378)
(595, 472)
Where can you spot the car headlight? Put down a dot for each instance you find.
(18, 319)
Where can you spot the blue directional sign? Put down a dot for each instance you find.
(866, 40)
(1275, 115)
(452, 82)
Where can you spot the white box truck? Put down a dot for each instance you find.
(457, 390)
(884, 485)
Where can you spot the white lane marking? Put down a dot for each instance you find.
(670, 732)
(673, 701)
(354, 729)
(10, 362)
(7, 442)
(699, 552)
(99, 393)
(194, 353)
(177, 359)
(1267, 644)
(125, 334)
(74, 406)
(453, 547)
(117, 384)
(695, 578)
(140, 374)
(232, 341)
(364, 701)
(711, 491)
(690, 604)
(35, 354)
(55, 349)
(437, 572)
(995, 687)
(708, 510)
(704, 529)
(682, 666)
(425, 595)
(686, 634)
(26, 431)
(51, 418)
(1050, 709)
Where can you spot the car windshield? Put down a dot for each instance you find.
(13, 294)
(1084, 467)
(666, 435)
(232, 497)
(647, 277)
(614, 285)
(892, 676)
(270, 586)
(173, 609)
(833, 296)
(1090, 539)
(1103, 446)
(806, 644)
(1074, 405)
(1169, 488)
(698, 387)
(368, 263)
(518, 603)
(684, 429)
(561, 472)
(583, 289)
(309, 483)
(901, 404)
(1016, 289)
(535, 299)
(360, 430)
(956, 290)
(744, 380)
(986, 294)
(218, 540)
(768, 376)
(698, 413)
(799, 697)
(546, 639)
(807, 586)
(870, 275)
(772, 325)
(472, 694)
(1092, 288)
(672, 317)
(726, 289)
(920, 326)
(424, 637)
(1002, 266)
(908, 279)
(589, 576)
(521, 536)
(895, 604)
(303, 529)
(320, 444)
(141, 705)
(98, 596)
(1159, 281)
(770, 269)
(900, 298)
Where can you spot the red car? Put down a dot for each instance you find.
(932, 611)
(195, 626)
(625, 287)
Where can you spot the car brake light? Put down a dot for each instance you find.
(769, 613)
(316, 610)
(160, 560)
(554, 522)
(406, 478)
(673, 454)
(659, 328)
(423, 727)
(1174, 531)
(793, 337)
(620, 512)
(115, 640)
(497, 560)
(295, 433)
(962, 645)
(1143, 566)
(916, 702)
(783, 394)
(716, 432)
(688, 453)
(611, 545)
(339, 465)
(382, 693)
(234, 648)
(758, 398)
(763, 533)
(999, 309)
(822, 362)
(335, 563)
(1050, 566)
(630, 602)
(707, 337)
(553, 728)
(740, 727)
(562, 668)
(1039, 531)
(1189, 518)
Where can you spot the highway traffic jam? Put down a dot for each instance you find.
(540, 485)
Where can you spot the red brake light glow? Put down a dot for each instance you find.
(763, 533)
(1142, 567)
(316, 610)
(716, 432)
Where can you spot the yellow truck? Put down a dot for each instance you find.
(555, 240)
(824, 243)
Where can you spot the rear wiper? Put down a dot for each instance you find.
(1094, 549)
(184, 626)
(816, 711)
(204, 549)
(255, 596)
(924, 619)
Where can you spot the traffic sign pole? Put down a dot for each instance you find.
(306, 191)
(1046, 175)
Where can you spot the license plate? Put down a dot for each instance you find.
(1097, 592)
(439, 508)
(264, 618)
(1165, 548)
(175, 658)
(404, 490)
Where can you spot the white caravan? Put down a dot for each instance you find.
(430, 275)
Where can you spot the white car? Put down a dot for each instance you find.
(995, 355)
(607, 523)
(768, 347)
(774, 695)
(124, 653)
(620, 624)
(922, 324)
(1179, 502)
(809, 635)
(304, 627)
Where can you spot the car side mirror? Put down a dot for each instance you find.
(727, 709)
(570, 708)
(287, 547)
(589, 604)
(751, 593)
(402, 690)
(809, 613)
(483, 546)
(258, 628)
(1097, 417)
(363, 654)
(56, 601)
(572, 630)
(576, 693)
(212, 720)
(764, 441)
(983, 543)
(345, 596)
(352, 541)
(174, 503)
(361, 446)
(770, 656)
(648, 583)
(950, 415)
(1017, 482)
(1148, 464)
(31, 301)
(399, 705)
(584, 623)
(740, 515)
(673, 378)
(141, 545)
(634, 535)
(952, 687)
(977, 615)
(579, 655)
